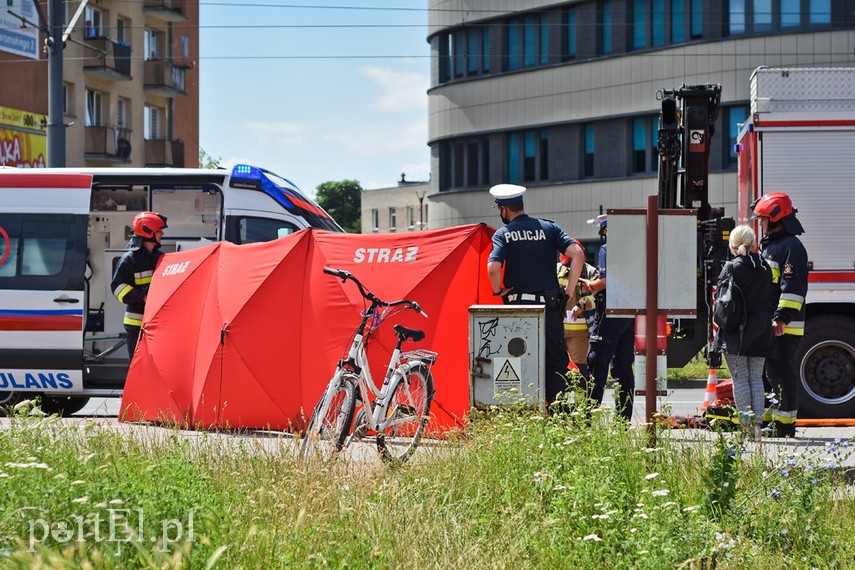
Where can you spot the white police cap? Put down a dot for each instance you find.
(507, 193)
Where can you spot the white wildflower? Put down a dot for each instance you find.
(650, 476)
(80, 500)
(593, 537)
(78, 482)
(660, 493)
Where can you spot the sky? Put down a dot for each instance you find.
(317, 90)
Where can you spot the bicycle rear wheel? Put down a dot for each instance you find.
(327, 433)
(408, 414)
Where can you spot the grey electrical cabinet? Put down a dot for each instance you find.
(506, 355)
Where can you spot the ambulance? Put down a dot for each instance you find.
(63, 230)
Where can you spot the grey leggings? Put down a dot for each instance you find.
(747, 374)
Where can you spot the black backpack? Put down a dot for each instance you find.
(730, 312)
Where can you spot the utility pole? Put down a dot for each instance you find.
(421, 197)
(53, 43)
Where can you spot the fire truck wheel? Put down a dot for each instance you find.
(827, 361)
(63, 405)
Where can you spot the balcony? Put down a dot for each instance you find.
(106, 144)
(108, 59)
(164, 152)
(166, 10)
(164, 77)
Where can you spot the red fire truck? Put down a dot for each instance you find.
(800, 139)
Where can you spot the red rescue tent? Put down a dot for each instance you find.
(248, 336)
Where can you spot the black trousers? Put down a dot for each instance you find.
(133, 337)
(782, 379)
(614, 337)
(556, 358)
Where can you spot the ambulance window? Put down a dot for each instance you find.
(11, 263)
(252, 230)
(45, 245)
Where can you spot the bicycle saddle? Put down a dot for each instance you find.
(413, 334)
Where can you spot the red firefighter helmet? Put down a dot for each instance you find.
(774, 206)
(147, 223)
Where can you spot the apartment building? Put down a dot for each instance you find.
(399, 208)
(130, 93)
(562, 96)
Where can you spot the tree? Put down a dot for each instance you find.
(343, 201)
(208, 161)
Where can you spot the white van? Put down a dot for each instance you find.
(63, 230)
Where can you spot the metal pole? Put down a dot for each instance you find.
(55, 127)
(652, 313)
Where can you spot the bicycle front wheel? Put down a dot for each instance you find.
(330, 422)
(407, 416)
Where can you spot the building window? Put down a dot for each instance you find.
(93, 23)
(68, 99)
(697, 25)
(762, 15)
(528, 155)
(735, 116)
(123, 110)
(643, 153)
(640, 19)
(570, 33)
(736, 17)
(465, 163)
(464, 52)
(527, 42)
(152, 119)
(678, 21)
(393, 219)
(375, 220)
(588, 154)
(605, 27)
(791, 14)
(151, 44)
(654, 144)
(820, 12)
(657, 22)
(411, 218)
(94, 105)
(123, 28)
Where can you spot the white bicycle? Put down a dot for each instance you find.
(397, 412)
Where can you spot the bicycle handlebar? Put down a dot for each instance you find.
(345, 275)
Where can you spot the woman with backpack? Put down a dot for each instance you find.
(743, 313)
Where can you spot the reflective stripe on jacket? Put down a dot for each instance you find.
(789, 262)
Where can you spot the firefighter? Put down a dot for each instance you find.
(580, 312)
(528, 247)
(789, 262)
(134, 271)
(612, 337)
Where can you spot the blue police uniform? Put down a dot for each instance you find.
(612, 337)
(528, 248)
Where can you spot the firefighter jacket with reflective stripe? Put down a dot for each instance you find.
(789, 262)
(581, 297)
(131, 281)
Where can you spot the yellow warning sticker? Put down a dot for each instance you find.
(507, 377)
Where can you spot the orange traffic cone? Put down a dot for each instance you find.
(709, 397)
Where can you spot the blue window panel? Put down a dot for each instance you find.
(820, 11)
(735, 115)
(588, 162)
(607, 26)
(571, 32)
(791, 13)
(762, 15)
(459, 53)
(473, 46)
(485, 49)
(530, 41)
(736, 17)
(658, 23)
(678, 21)
(639, 134)
(639, 23)
(514, 157)
(697, 18)
(514, 61)
(544, 40)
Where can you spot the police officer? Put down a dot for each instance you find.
(789, 262)
(612, 337)
(135, 269)
(528, 248)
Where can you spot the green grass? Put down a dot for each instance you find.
(695, 369)
(516, 490)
